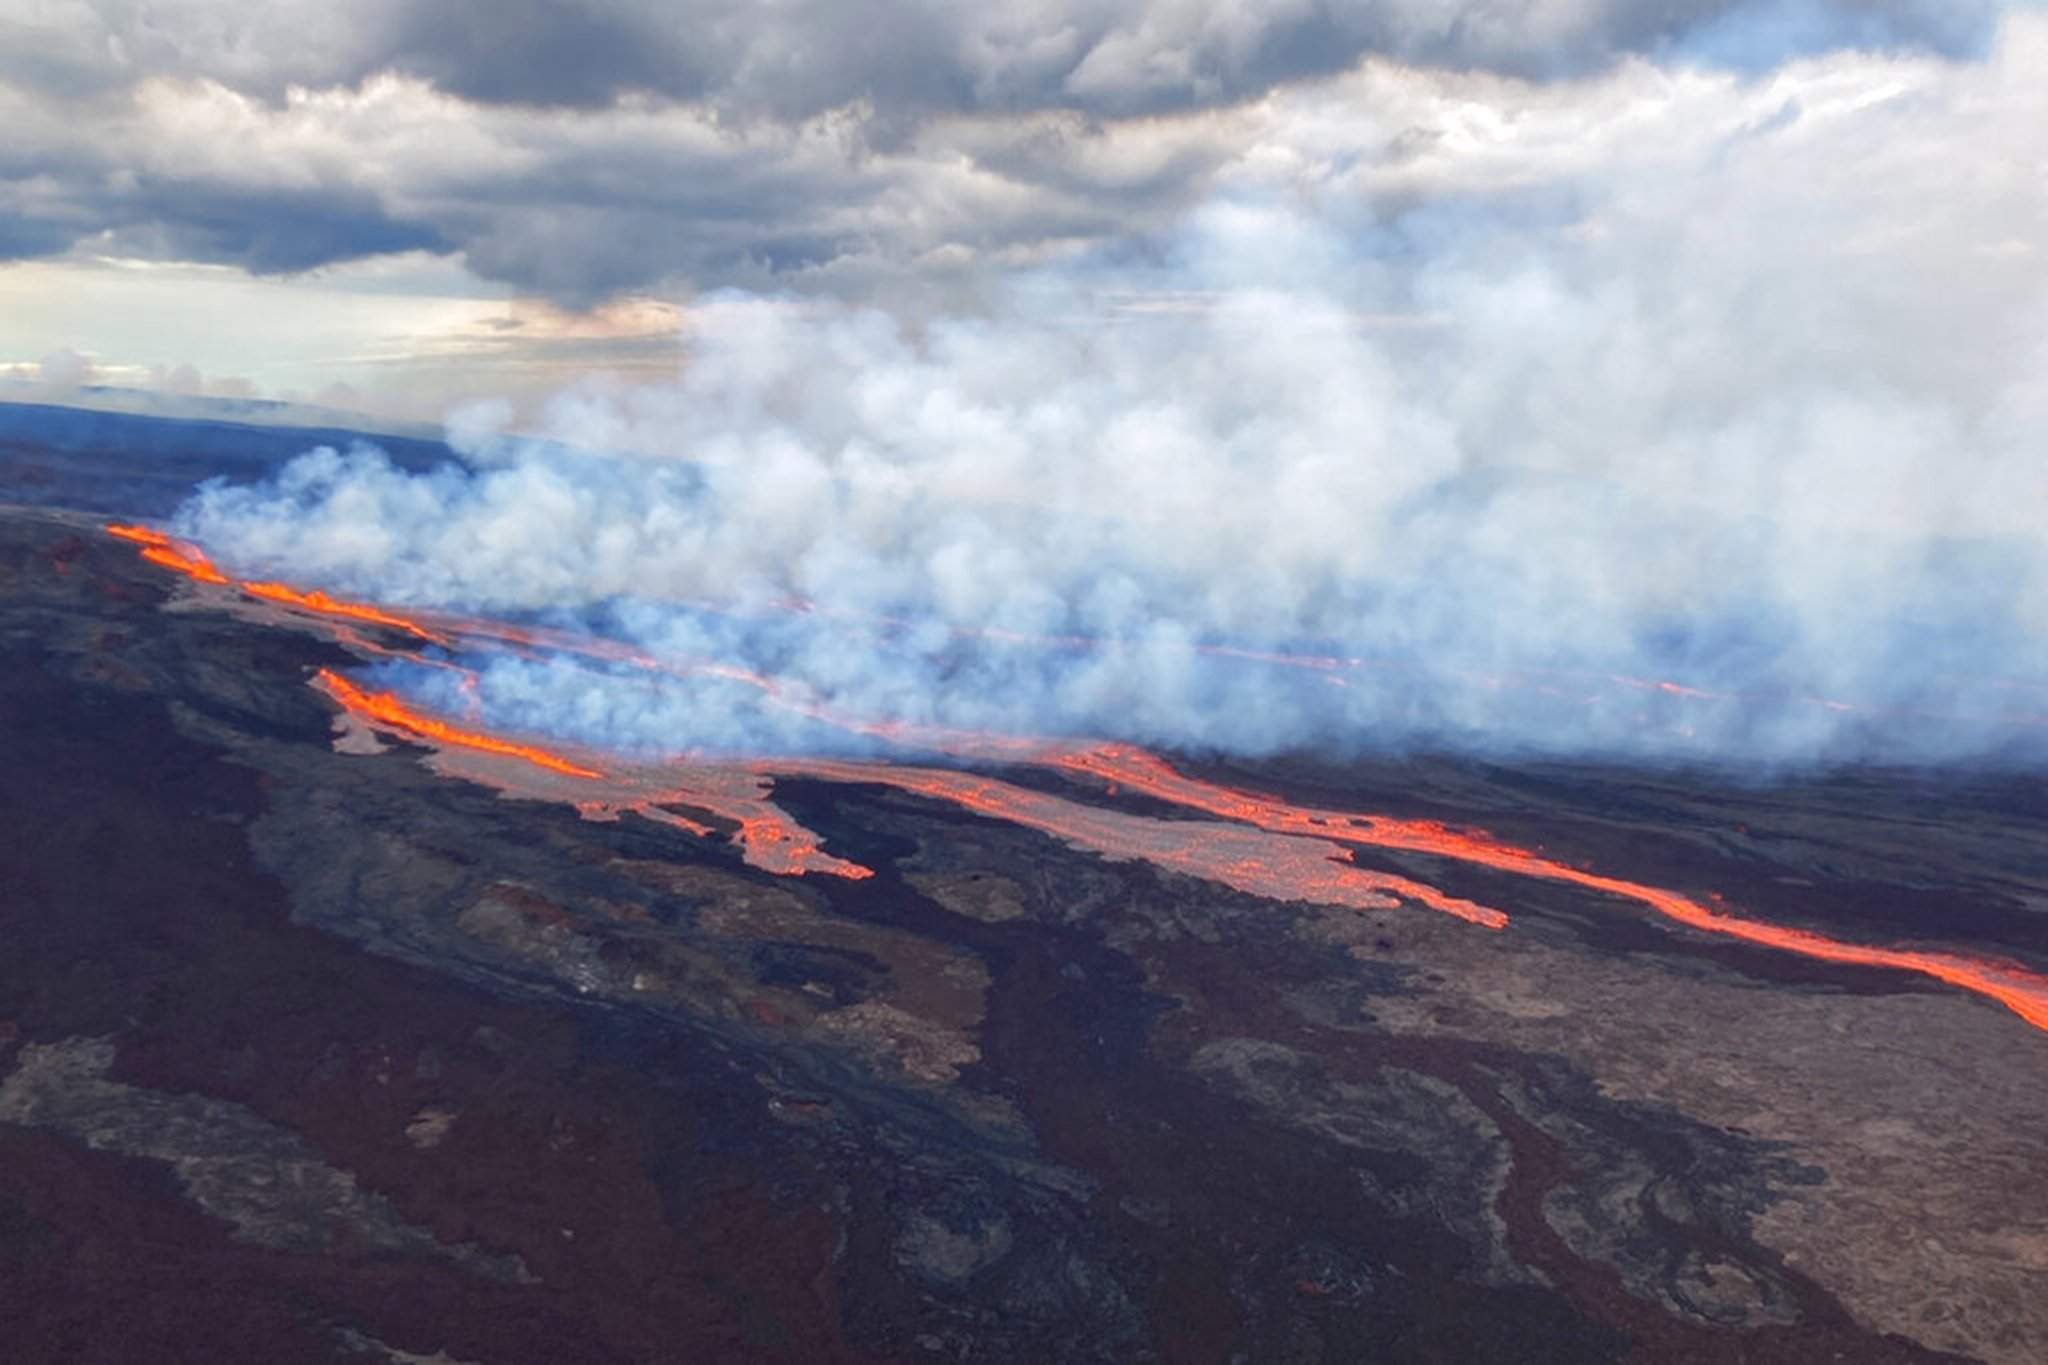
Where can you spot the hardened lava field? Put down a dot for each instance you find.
(323, 1037)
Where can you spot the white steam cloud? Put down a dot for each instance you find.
(1659, 376)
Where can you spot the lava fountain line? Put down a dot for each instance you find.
(387, 710)
(187, 559)
(1301, 860)
(175, 555)
(320, 604)
(137, 535)
(1124, 767)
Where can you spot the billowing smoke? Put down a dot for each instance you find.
(1670, 377)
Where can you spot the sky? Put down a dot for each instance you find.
(402, 205)
(1512, 346)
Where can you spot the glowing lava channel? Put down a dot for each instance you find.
(1283, 867)
(180, 557)
(2023, 992)
(165, 553)
(1299, 858)
(320, 604)
(385, 708)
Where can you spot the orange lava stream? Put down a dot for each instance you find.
(176, 555)
(321, 604)
(1283, 867)
(385, 709)
(139, 535)
(194, 566)
(2023, 992)
(767, 838)
(1296, 855)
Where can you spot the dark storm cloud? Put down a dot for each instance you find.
(796, 59)
(543, 52)
(540, 137)
(269, 230)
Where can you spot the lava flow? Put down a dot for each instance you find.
(165, 553)
(180, 557)
(1282, 867)
(385, 708)
(1265, 846)
(321, 604)
(2023, 992)
(766, 837)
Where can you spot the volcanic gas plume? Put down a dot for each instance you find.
(1256, 843)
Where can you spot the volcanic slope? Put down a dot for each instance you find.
(370, 1060)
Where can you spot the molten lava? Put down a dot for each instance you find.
(387, 710)
(176, 555)
(2023, 992)
(138, 535)
(321, 604)
(1263, 845)
(165, 553)
(1283, 867)
(767, 838)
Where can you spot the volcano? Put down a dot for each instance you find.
(340, 1025)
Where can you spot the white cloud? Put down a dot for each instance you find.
(65, 369)
(617, 146)
(1733, 382)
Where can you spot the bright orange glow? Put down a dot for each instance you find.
(1277, 866)
(385, 708)
(140, 535)
(1265, 846)
(2023, 992)
(773, 841)
(182, 559)
(767, 838)
(176, 555)
(166, 553)
(321, 604)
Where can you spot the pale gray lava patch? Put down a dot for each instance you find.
(263, 1180)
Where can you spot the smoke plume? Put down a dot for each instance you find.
(1738, 387)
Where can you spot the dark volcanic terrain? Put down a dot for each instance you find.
(326, 1056)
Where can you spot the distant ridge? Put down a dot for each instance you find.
(270, 412)
(119, 462)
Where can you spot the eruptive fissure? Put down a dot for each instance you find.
(189, 560)
(1256, 843)
(165, 553)
(321, 604)
(385, 708)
